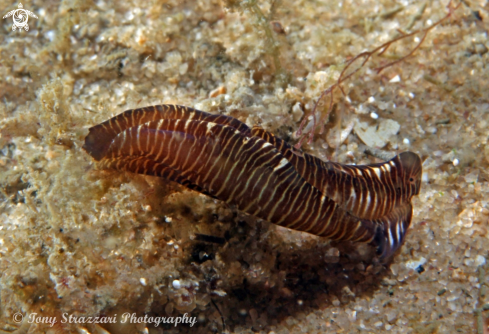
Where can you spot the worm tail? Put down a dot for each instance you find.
(100, 136)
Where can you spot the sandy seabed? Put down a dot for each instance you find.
(89, 243)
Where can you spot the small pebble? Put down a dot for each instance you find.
(397, 78)
(374, 115)
(218, 91)
(425, 177)
(406, 141)
(176, 284)
(142, 280)
(480, 260)
(371, 99)
(414, 264)
(456, 162)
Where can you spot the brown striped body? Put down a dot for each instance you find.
(369, 192)
(261, 174)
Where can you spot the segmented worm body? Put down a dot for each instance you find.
(262, 174)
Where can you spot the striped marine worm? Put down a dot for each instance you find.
(262, 174)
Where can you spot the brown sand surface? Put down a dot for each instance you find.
(85, 242)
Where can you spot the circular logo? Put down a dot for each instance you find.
(20, 17)
(18, 317)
